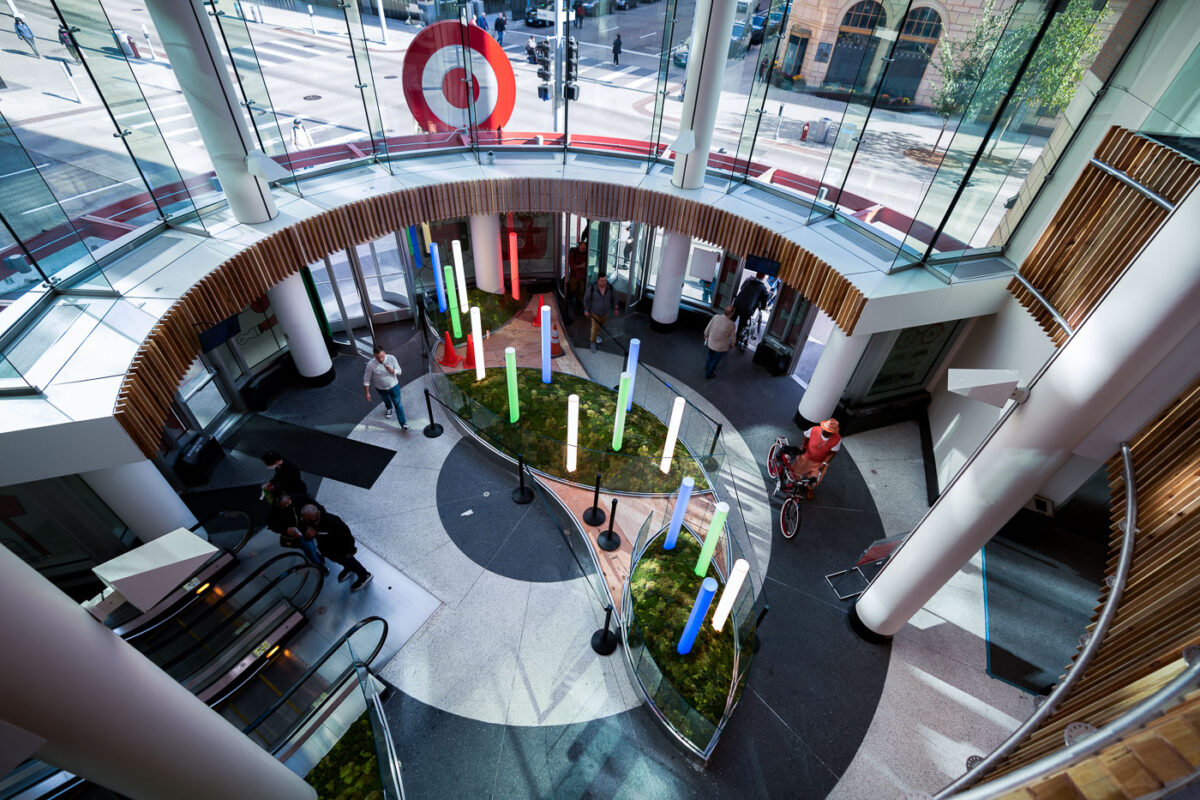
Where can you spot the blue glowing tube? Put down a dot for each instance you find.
(438, 280)
(415, 238)
(696, 618)
(681, 503)
(545, 314)
(635, 346)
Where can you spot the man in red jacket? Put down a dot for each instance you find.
(821, 444)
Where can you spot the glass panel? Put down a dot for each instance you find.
(765, 28)
(1176, 115)
(384, 279)
(669, 73)
(366, 80)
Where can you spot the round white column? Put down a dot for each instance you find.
(485, 251)
(1145, 316)
(106, 713)
(293, 309)
(833, 371)
(191, 46)
(709, 51)
(141, 497)
(668, 287)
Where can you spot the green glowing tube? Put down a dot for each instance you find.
(452, 297)
(510, 363)
(619, 424)
(715, 527)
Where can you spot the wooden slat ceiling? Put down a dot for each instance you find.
(1100, 227)
(165, 355)
(1159, 612)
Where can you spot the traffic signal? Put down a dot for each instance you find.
(572, 59)
(544, 91)
(542, 54)
(571, 91)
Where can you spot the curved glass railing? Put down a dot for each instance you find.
(692, 695)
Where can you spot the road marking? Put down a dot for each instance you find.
(638, 84)
(20, 171)
(157, 106)
(81, 194)
(162, 121)
(648, 35)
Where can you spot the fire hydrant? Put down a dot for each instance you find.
(804, 133)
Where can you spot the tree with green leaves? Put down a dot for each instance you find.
(962, 64)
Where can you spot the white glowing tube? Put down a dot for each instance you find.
(572, 431)
(477, 341)
(672, 434)
(460, 274)
(737, 576)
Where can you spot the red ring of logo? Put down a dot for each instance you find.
(449, 33)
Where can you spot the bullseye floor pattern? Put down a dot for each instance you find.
(499, 694)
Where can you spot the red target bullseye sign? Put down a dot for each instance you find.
(439, 86)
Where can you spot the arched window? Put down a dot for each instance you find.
(856, 45)
(864, 17)
(918, 38)
(923, 25)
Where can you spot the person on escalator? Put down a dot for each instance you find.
(287, 478)
(335, 542)
(283, 518)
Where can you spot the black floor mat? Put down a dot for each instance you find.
(313, 451)
(206, 502)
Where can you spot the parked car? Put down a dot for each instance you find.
(758, 28)
(680, 56)
(594, 8)
(532, 19)
(739, 40)
(774, 21)
(626, 5)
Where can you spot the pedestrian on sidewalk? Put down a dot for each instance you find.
(580, 13)
(383, 371)
(719, 338)
(336, 543)
(25, 35)
(64, 36)
(481, 21)
(599, 301)
(286, 479)
(300, 138)
(617, 50)
(501, 24)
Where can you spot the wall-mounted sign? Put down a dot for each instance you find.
(440, 86)
(823, 51)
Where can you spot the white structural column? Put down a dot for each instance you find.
(833, 371)
(707, 56)
(185, 30)
(292, 307)
(108, 714)
(1145, 316)
(485, 251)
(669, 286)
(141, 497)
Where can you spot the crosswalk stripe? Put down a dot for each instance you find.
(299, 48)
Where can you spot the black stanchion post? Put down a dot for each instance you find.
(604, 641)
(610, 540)
(710, 460)
(423, 326)
(757, 623)
(595, 515)
(522, 494)
(433, 429)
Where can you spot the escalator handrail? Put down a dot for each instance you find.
(235, 617)
(229, 513)
(140, 632)
(312, 670)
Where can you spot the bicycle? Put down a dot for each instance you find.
(745, 337)
(797, 489)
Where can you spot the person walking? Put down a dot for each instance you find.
(580, 13)
(719, 337)
(336, 543)
(64, 36)
(617, 50)
(501, 24)
(283, 518)
(383, 371)
(599, 301)
(751, 297)
(481, 20)
(300, 137)
(25, 35)
(287, 478)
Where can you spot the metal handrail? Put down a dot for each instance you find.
(1085, 656)
(1029, 287)
(1144, 712)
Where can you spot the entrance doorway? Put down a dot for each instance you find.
(362, 287)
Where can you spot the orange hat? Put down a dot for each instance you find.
(830, 426)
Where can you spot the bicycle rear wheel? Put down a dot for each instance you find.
(773, 460)
(789, 517)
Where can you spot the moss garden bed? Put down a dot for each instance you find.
(494, 311)
(663, 587)
(350, 771)
(541, 432)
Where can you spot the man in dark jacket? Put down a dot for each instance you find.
(284, 518)
(599, 301)
(752, 296)
(287, 478)
(335, 543)
(617, 50)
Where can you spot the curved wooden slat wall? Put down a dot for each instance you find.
(1159, 613)
(167, 352)
(1100, 228)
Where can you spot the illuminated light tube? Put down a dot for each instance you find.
(619, 422)
(452, 299)
(460, 272)
(681, 503)
(715, 528)
(631, 365)
(545, 344)
(438, 281)
(512, 266)
(696, 618)
(572, 431)
(737, 577)
(428, 238)
(416, 245)
(477, 342)
(672, 434)
(510, 364)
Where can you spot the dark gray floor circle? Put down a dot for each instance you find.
(522, 542)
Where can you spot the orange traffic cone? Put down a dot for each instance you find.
(469, 361)
(537, 311)
(449, 355)
(555, 347)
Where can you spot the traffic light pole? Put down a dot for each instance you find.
(559, 44)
